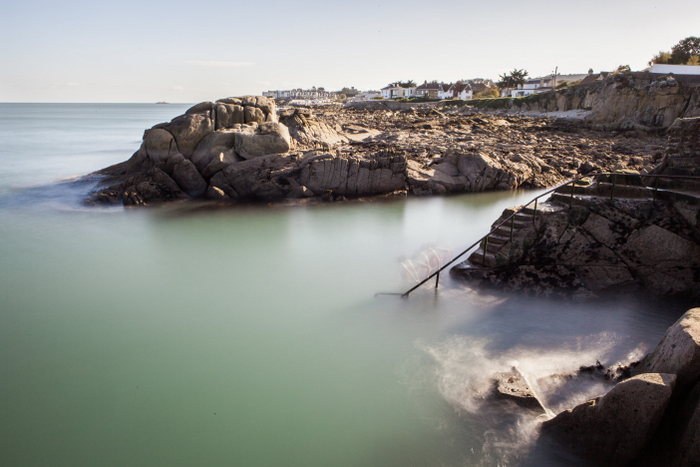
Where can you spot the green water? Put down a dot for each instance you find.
(251, 336)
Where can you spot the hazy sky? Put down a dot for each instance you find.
(186, 51)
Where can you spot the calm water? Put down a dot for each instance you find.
(251, 336)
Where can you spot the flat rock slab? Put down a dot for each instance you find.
(512, 386)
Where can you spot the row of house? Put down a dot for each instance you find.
(302, 94)
(549, 83)
(432, 90)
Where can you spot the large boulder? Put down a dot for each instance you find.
(218, 145)
(615, 428)
(228, 115)
(678, 352)
(267, 138)
(159, 144)
(188, 179)
(189, 130)
(686, 448)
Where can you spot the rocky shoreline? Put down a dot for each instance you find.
(649, 418)
(242, 149)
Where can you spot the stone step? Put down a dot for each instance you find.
(477, 259)
(496, 240)
(565, 200)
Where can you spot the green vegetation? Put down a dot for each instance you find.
(494, 103)
(417, 99)
(349, 92)
(513, 79)
(686, 52)
(487, 93)
(404, 84)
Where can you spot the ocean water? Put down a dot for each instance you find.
(252, 336)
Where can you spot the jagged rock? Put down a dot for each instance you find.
(153, 186)
(267, 138)
(309, 132)
(512, 386)
(615, 428)
(678, 352)
(599, 245)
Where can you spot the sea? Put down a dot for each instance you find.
(185, 335)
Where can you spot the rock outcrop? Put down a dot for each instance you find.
(585, 245)
(653, 418)
(614, 429)
(623, 100)
(236, 148)
(361, 152)
(610, 233)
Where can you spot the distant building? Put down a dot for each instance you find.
(533, 86)
(366, 96)
(432, 90)
(397, 92)
(302, 94)
(460, 90)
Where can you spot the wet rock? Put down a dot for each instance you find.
(512, 386)
(678, 352)
(615, 428)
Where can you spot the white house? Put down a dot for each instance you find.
(461, 90)
(533, 86)
(397, 92)
(676, 69)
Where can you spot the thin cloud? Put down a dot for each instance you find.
(220, 64)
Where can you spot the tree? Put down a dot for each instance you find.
(512, 80)
(682, 53)
(349, 92)
(404, 84)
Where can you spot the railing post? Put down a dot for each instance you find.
(571, 199)
(437, 278)
(534, 215)
(612, 190)
(486, 249)
(512, 221)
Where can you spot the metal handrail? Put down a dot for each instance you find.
(512, 216)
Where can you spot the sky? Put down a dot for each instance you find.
(187, 52)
